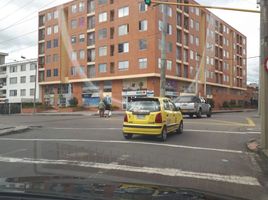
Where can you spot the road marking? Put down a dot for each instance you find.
(250, 122)
(244, 180)
(229, 132)
(191, 130)
(217, 124)
(12, 152)
(125, 142)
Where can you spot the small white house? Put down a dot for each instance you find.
(19, 81)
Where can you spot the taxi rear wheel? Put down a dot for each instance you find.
(164, 134)
(180, 128)
(127, 136)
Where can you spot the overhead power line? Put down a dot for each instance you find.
(201, 6)
(15, 11)
(6, 4)
(18, 37)
(24, 19)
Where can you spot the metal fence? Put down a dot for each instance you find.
(10, 108)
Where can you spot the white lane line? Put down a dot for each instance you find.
(229, 132)
(190, 130)
(12, 152)
(244, 180)
(125, 142)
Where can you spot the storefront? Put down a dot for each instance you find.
(90, 94)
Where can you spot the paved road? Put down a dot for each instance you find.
(210, 155)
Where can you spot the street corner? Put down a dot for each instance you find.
(253, 145)
(14, 130)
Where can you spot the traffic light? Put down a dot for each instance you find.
(148, 2)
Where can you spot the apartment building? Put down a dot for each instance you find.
(89, 49)
(17, 81)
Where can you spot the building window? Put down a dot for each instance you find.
(48, 73)
(191, 39)
(142, 44)
(23, 92)
(32, 92)
(102, 67)
(55, 72)
(49, 30)
(55, 43)
(197, 26)
(122, 12)
(23, 67)
(56, 29)
(13, 93)
(55, 57)
(56, 14)
(49, 16)
(74, 55)
(123, 29)
(49, 44)
(81, 6)
(81, 38)
(32, 78)
(102, 33)
(169, 65)
(100, 2)
(81, 22)
(169, 29)
(168, 10)
(143, 25)
(23, 79)
(74, 8)
(74, 24)
(197, 11)
(13, 69)
(82, 54)
(103, 17)
(197, 41)
(143, 63)
(13, 80)
(185, 71)
(143, 7)
(123, 65)
(90, 39)
(103, 51)
(32, 66)
(191, 23)
(91, 22)
(73, 39)
(48, 59)
(169, 47)
(185, 55)
(191, 55)
(91, 55)
(123, 47)
(73, 71)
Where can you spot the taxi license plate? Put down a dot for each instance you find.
(140, 116)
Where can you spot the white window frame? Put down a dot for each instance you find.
(123, 12)
(124, 65)
(103, 17)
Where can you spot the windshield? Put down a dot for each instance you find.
(184, 99)
(144, 105)
(165, 92)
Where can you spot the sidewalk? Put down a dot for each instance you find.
(114, 113)
(8, 129)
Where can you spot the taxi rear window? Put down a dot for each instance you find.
(151, 105)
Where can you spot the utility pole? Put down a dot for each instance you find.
(264, 74)
(163, 52)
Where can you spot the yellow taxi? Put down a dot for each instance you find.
(152, 116)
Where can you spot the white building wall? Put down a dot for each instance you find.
(20, 86)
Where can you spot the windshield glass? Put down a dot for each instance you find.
(144, 105)
(166, 92)
(184, 99)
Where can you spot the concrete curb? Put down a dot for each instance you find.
(15, 130)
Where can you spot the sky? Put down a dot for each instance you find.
(19, 21)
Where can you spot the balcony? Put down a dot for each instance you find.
(3, 74)
(91, 6)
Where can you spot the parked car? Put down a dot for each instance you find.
(193, 105)
(152, 116)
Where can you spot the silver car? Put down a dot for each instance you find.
(193, 105)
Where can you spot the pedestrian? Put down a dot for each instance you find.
(101, 108)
